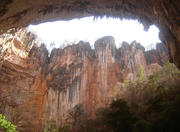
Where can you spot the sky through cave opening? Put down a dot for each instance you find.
(62, 33)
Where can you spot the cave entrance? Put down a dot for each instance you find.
(62, 33)
(162, 13)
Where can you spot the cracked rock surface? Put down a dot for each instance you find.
(163, 13)
(36, 88)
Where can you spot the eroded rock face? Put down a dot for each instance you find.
(159, 55)
(35, 88)
(163, 13)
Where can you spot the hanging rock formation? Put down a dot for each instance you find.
(165, 14)
(35, 88)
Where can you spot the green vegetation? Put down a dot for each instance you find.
(116, 117)
(148, 105)
(54, 128)
(74, 121)
(6, 126)
(140, 74)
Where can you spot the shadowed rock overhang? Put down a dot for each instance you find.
(163, 13)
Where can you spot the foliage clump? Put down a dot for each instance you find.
(6, 126)
(117, 117)
(149, 105)
(74, 121)
(140, 74)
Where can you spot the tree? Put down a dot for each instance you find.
(76, 117)
(117, 116)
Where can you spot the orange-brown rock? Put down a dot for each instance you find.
(22, 86)
(165, 14)
(158, 55)
(35, 88)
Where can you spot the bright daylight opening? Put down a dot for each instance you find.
(56, 34)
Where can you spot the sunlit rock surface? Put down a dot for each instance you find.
(35, 88)
(164, 14)
(159, 55)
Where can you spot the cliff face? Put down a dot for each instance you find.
(163, 13)
(21, 79)
(36, 88)
(159, 55)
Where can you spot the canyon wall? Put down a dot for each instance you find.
(36, 88)
(165, 14)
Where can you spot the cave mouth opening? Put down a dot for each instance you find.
(59, 34)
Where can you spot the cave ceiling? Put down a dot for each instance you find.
(165, 14)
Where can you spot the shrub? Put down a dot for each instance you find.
(140, 74)
(117, 116)
(5, 125)
(141, 126)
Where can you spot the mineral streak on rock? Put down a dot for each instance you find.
(35, 88)
(165, 14)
